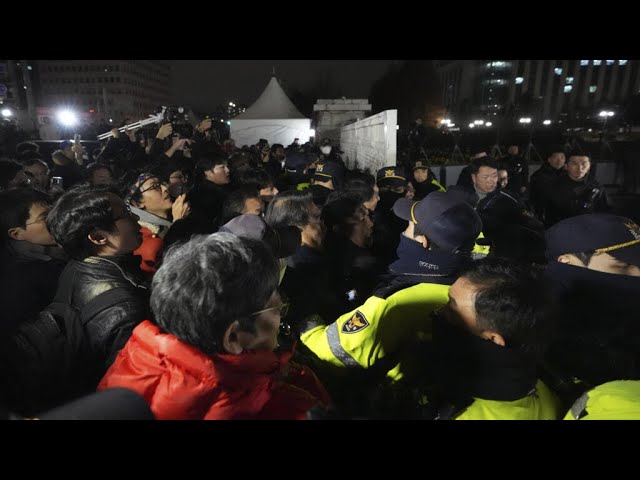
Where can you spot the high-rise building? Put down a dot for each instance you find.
(111, 89)
(545, 89)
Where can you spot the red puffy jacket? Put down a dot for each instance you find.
(181, 383)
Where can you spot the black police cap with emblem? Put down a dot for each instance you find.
(595, 232)
(391, 177)
(329, 170)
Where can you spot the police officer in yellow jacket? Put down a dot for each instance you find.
(486, 345)
(617, 400)
(424, 181)
(380, 333)
(593, 360)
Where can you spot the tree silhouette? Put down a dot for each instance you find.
(413, 88)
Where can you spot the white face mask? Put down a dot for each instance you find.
(325, 150)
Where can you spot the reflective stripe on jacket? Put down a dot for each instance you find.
(379, 328)
(618, 400)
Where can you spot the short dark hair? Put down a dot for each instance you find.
(207, 283)
(14, 208)
(205, 163)
(512, 301)
(76, 214)
(338, 211)
(94, 167)
(578, 153)
(485, 161)
(255, 176)
(289, 208)
(361, 184)
(234, 203)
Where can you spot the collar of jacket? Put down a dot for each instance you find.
(548, 169)
(149, 220)
(234, 370)
(414, 259)
(307, 256)
(469, 366)
(127, 265)
(27, 251)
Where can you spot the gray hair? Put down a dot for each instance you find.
(209, 282)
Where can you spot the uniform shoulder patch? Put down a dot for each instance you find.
(356, 323)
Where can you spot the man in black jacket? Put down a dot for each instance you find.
(543, 179)
(30, 261)
(575, 194)
(97, 230)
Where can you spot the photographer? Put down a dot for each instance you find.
(574, 193)
(122, 152)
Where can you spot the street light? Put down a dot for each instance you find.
(604, 144)
(67, 118)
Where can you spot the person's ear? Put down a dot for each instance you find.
(422, 239)
(97, 237)
(231, 339)
(494, 337)
(570, 259)
(16, 233)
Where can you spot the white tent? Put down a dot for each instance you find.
(273, 117)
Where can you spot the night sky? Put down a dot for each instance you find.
(204, 84)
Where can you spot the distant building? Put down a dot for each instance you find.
(116, 89)
(545, 89)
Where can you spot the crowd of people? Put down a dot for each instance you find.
(201, 280)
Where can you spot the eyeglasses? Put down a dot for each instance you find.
(156, 186)
(283, 307)
(40, 220)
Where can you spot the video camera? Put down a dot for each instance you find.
(179, 118)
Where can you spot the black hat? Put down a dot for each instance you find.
(599, 232)
(296, 162)
(422, 163)
(445, 219)
(329, 170)
(283, 241)
(391, 177)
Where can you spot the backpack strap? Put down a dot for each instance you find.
(102, 302)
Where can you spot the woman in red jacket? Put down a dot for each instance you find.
(212, 352)
(150, 200)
